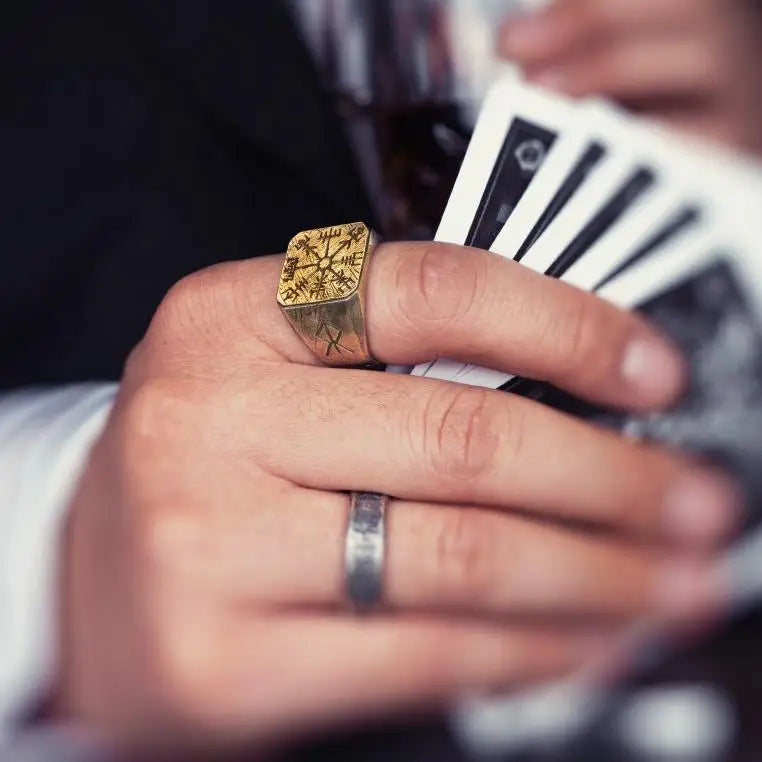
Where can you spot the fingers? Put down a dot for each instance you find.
(437, 300)
(721, 123)
(472, 560)
(564, 28)
(366, 667)
(427, 440)
(456, 560)
(637, 68)
(445, 560)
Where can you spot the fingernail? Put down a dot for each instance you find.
(688, 591)
(524, 35)
(654, 369)
(702, 507)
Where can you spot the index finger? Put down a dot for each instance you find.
(566, 26)
(430, 300)
(427, 301)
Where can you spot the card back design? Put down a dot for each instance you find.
(680, 222)
(640, 181)
(591, 157)
(525, 147)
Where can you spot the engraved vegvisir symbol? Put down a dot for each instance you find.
(323, 265)
(332, 338)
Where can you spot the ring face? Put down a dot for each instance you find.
(321, 291)
(323, 265)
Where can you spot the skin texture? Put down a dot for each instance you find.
(694, 64)
(203, 575)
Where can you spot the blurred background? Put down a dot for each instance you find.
(409, 77)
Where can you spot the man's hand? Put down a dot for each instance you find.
(695, 64)
(203, 597)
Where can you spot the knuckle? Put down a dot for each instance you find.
(192, 309)
(466, 556)
(178, 302)
(578, 341)
(150, 413)
(460, 438)
(153, 427)
(175, 544)
(436, 283)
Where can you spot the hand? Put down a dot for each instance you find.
(695, 64)
(203, 592)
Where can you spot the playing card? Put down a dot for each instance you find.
(581, 148)
(678, 223)
(517, 128)
(651, 222)
(589, 215)
(554, 185)
(589, 159)
(621, 199)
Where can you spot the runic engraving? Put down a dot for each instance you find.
(289, 268)
(323, 265)
(318, 291)
(350, 260)
(342, 279)
(332, 337)
(328, 234)
(357, 232)
(303, 244)
(344, 244)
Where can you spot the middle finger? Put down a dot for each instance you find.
(420, 439)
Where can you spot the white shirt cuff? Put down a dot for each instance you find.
(45, 440)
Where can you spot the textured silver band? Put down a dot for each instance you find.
(364, 553)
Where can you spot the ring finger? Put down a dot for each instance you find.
(456, 560)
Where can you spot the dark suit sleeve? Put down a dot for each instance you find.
(129, 157)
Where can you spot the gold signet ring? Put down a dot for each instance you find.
(322, 291)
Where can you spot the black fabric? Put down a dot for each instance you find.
(141, 140)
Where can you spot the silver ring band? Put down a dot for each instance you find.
(364, 551)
